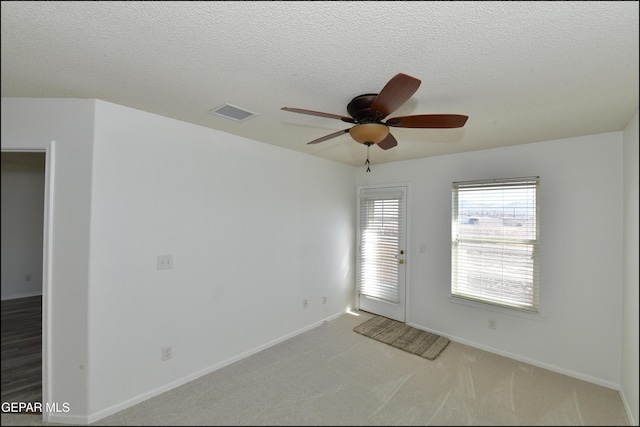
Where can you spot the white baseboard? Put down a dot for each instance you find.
(25, 295)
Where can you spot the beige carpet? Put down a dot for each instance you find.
(333, 376)
(403, 337)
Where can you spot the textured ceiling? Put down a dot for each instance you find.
(522, 71)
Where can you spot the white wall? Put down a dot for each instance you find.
(630, 334)
(32, 123)
(22, 215)
(578, 331)
(253, 229)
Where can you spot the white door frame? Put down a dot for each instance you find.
(47, 245)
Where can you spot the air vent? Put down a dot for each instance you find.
(232, 112)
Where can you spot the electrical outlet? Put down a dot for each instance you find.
(167, 353)
(492, 324)
(305, 303)
(324, 299)
(165, 262)
(27, 278)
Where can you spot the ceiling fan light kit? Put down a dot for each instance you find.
(367, 112)
(369, 132)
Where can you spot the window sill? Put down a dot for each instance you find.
(494, 308)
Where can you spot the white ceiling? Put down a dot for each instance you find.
(522, 71)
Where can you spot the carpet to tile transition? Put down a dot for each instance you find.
(403, 337)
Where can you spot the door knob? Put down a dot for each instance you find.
(401, 261)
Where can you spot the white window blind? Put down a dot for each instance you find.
(380, 216)
(495, 242)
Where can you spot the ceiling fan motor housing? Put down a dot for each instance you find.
(359, 108)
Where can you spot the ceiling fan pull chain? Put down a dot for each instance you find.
(368, 144)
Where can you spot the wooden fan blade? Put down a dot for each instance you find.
(428, 121)
(388, 142)
(319, 113)
(395, 93)
(331, 135)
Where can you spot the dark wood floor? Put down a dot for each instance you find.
(21, 350)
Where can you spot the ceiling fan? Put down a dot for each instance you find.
(368, 111)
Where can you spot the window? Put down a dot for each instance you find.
(380, 242)
(494, 245)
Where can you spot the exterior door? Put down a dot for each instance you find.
(381, 268)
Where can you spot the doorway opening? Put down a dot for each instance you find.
(26, 268)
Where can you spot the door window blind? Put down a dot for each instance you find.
(380, 216)
(495, 242)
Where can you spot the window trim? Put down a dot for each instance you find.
(533, 243)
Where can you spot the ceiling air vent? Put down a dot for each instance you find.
(232, 112)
